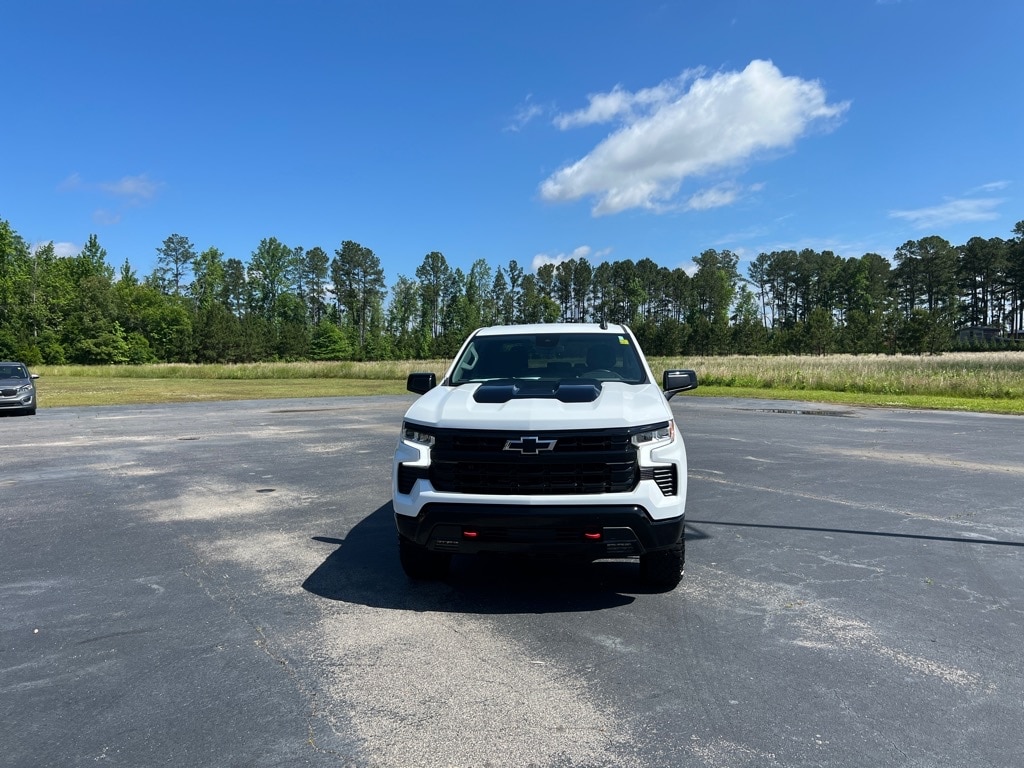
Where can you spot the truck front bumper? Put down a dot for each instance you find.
(593, 532)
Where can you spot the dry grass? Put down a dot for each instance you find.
(397, 370)
(983, 381)
(998, 375)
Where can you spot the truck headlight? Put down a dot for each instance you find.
(661, 433)
(414, 433)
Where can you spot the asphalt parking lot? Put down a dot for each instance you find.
(217, 585)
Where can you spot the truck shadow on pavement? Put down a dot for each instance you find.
(364, 569)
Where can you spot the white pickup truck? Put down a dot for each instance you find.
(550, 439)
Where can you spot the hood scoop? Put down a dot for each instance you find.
(503, 390)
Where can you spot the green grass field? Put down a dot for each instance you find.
(983, 381)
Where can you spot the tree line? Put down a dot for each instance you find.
(293, 303)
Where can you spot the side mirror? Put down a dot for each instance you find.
(34, 375)
(674, 382)
(421, 383)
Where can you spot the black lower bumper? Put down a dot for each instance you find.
(592, 531)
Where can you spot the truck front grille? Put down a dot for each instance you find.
(534, 463)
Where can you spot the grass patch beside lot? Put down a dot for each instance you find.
(76, 385)
(968, 375)
(1007, 406)
(985, 381)
(59, 391)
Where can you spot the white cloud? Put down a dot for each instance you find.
(526, 113)
(106, 218)
(72, 182)
(132, 189)
(689, 268)
(61, 250)
(992, 186)
(951, 212)
(720, 195)
(129, 191)
(686, 128)
(714, 197)
(605, 107)
(582, 252)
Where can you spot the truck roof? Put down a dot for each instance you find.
(504, 330)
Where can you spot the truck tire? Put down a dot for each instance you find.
(664, 568)
(419, 563)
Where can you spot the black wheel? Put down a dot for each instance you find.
(663, 569)
(420, 563)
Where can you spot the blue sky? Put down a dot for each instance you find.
(526, 130)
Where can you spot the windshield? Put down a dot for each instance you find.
(13, 372)
(550, 357)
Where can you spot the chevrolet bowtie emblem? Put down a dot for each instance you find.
(529, 445)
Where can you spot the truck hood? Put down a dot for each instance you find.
(616, 405)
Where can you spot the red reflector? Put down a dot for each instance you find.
(592, 536)
(469, 534)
